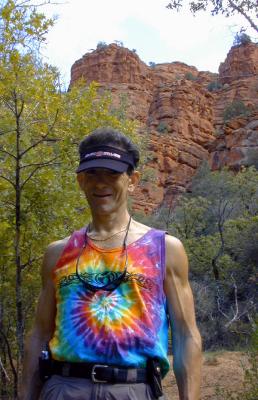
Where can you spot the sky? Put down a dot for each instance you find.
(159, 35)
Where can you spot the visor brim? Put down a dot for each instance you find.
(113, 165)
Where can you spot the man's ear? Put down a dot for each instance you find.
(133, 181)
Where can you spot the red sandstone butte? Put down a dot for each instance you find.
(183, 118)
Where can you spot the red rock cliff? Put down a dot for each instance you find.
(182, 116)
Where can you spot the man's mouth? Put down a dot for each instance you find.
(101, 195)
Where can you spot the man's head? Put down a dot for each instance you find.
(110, 149)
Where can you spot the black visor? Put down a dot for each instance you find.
(105, 157)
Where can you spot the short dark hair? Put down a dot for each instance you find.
(110, 137)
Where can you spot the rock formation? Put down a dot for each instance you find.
(182, 111)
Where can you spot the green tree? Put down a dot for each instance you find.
(217, 223)
(40, 128)
(248, 9)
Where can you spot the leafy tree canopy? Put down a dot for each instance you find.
(247, 8)
(40, 128)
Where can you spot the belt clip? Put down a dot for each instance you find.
(93, 373)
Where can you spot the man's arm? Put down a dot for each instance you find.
(186, 340)
(43, 327)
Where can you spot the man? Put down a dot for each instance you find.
(108, 292)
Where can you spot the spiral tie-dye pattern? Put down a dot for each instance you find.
(123, 327)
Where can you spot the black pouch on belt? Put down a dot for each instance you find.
(154, 377)
(45, 365)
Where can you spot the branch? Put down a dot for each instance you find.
(7, 152)
(4, 370)
(242, 12)
(30, 262)
(9, 131)
(47, 164)
(8, 180)
(38, 164)
(19, 113)
(43, 137)
(9, 352)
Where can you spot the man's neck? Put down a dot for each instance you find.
(113, 222)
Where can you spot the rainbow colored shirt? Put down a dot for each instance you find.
(123, 327)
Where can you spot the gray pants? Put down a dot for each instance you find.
(60, 388)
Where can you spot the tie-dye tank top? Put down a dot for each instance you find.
(123, 327)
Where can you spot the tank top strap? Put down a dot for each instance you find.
(72, 248)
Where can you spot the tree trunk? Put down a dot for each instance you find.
(18, 287)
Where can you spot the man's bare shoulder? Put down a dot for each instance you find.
(53, 253)
(176, 258)
(140, 228)
(173, 243)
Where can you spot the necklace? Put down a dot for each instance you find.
(107, 280)
(107, 238)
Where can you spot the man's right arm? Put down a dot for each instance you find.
(43, 327)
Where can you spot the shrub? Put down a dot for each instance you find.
(149, 175)
(235, 109)
(162, 127)
(119, 43)
(241, 39)
(152, 64)
(101, 45)
(214, 85)
(190, 77)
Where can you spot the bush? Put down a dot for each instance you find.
(214, 85)
(241, 39)
(152, 64)
(162, 127)
(101, 45)
(235, 109)
(149, 175)
(190, 77)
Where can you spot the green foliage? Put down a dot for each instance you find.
(149, 175)
(235, 109)
(247, 8)
(101, 45)
(214, 85)
(40, 128)
(218, 225)
(252, 157)
(190, 77)
(241, 38)
(119, 43)
(152, 64)
(162, 127)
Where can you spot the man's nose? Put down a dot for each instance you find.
(101, 178)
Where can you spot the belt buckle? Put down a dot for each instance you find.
(93, 373)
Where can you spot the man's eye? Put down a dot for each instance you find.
(114, 173)
(91, 172)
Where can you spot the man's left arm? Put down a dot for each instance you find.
(186, 340)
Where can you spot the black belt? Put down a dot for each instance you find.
(99, 373)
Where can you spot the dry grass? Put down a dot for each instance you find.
(220, 369)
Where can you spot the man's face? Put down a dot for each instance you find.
(106, 190)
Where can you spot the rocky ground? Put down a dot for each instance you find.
(220, 369)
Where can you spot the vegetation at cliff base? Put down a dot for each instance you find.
(217, 221)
